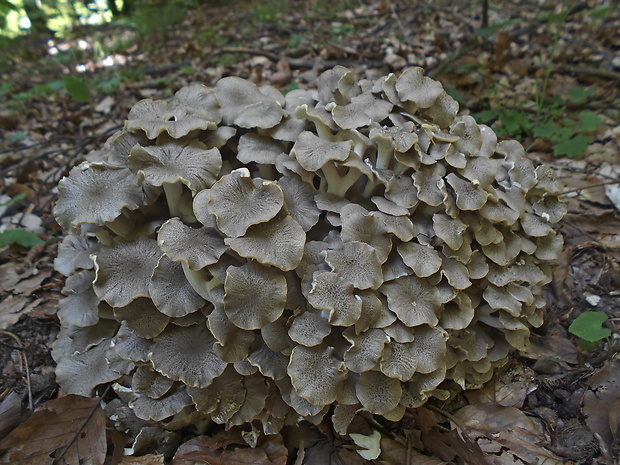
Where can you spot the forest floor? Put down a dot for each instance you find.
(544, 74)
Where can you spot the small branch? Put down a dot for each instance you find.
(22, 349)
(596, 72)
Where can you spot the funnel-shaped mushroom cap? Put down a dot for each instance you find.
(123, 270)
(238, 202)
(80, 307)
(74, 253)
(312, 152)
(85, 195)
(413, 86)
(378, 393)
(170, 290)
(358, 263)
(222, 398)
(362, 111)
(186, 354)
(147, 408)
(258, 149)
(81, 372)
(299, 200)
(193, 107)
(366, 349)
(450, 230)
(196, 247)
(233, 344)
(148, 382)
(415, 300)
(278, 242)
(363, 226)
(316, 374)
(255, 295)
(309, 329)
(331, 292)
(245, 106)
(189, 162)
(142, 317)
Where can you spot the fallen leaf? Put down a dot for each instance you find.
(604, 392)
(221, 450)
(509, 387)
(10, 413)
(11, 309)
(151, 459)
(65, 431)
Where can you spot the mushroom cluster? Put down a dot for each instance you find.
(238, 256)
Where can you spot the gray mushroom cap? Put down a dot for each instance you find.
(245, 106)
(123, 270)
(85, 195)
(238, 201)
(193, 107)
(186, 354)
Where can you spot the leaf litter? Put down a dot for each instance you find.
(543, 408)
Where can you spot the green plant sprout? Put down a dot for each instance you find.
(20, 236)
(568, 137)
(588, 327)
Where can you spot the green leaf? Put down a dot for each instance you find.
(589, 326)
(488, 116)
(548, 131)
(17, 198)
(490, 30)
(21, 237)
(77, 88)
(589, 121)
(572, 147)
(600, 11)
(455, 94)
(515, 122)
(580, 94)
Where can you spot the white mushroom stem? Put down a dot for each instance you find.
(104, 236)
(336, 183)
(121, 226)
(200, 282)
(174, 198)
(399, 168)
(267, 171)
(173, 193)
(385, 154)
(369, 188)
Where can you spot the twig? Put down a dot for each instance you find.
(26, 365)
(596, 72)
(449, 416)
(403, 31)
(579, 189)
(247, 51)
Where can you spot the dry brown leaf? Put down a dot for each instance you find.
(65, 431)
(508, 387)
(554, 347)
(603, 393)
(508, 429)
(220, 450)
(10, 413)
(396, 453)
(151, 459)
(11, 309)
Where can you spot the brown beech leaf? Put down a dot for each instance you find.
(220, 450)
(10, 413)
(63, 431)
(151, 459)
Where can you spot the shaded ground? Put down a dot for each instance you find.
(559, 397)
